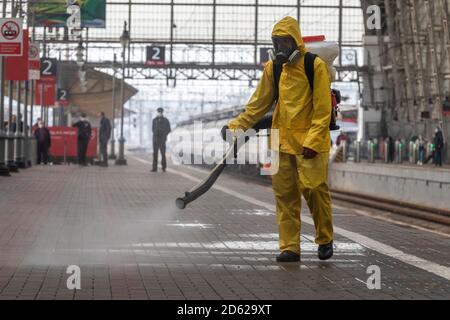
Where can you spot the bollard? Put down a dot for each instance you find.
(4, 169)
(371, 151)
(386, 152)
(413, 153)
(416, 153)
(10, 152)
(397, 144)
(18, 157)
(430, 149)
(400, 150)
(357, 151)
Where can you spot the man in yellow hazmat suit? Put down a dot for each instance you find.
(302, 117)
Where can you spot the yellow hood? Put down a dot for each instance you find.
(288, 26)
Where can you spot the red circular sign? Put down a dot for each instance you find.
(34, 52)
(10, 30)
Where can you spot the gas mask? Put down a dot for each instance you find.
(285, 50)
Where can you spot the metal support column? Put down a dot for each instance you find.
(8, 145)
(340, 31)
(392, 55)
(10, 133)
(410, 97)
(256, 37)
(121, 159)
(25, 133)
(418, 62)
(18, 137)
(4, 170)
(213, 54)
(434, 61)
(112, 154)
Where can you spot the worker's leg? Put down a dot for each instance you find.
(313, 175)
(439, 157)
(84, 146)
(39, 152)
(155, 155)
(45, 153)
(104, 150)
(288, 203)
(80, 151)
(163, 155)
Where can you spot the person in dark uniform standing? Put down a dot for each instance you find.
(84, 136)
(161, 128)
(104, 136)
(438, 146)
(42, 135)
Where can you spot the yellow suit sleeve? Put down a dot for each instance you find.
(259, 103)
(317, 138)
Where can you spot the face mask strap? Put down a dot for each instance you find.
(294, 56)
(291, 59)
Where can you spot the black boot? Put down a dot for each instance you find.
(288, 256)
(325, 251)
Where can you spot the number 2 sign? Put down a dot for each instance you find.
(48, 67)
(156, 56)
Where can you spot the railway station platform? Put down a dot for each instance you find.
(423, 186)
(120, 227)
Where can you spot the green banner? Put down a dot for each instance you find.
(53, 13)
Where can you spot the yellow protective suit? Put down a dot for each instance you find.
(303, 119)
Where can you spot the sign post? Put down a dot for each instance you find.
(46, 85)
(16, 69)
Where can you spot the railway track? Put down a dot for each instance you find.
(434, 215)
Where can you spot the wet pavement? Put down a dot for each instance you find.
(120, 226)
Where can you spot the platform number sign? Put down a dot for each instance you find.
(156, 55)
(62, 97)
(62, 94)
(48, 67)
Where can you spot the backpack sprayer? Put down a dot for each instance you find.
(328, 52)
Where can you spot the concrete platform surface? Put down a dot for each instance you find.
(120, 227)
